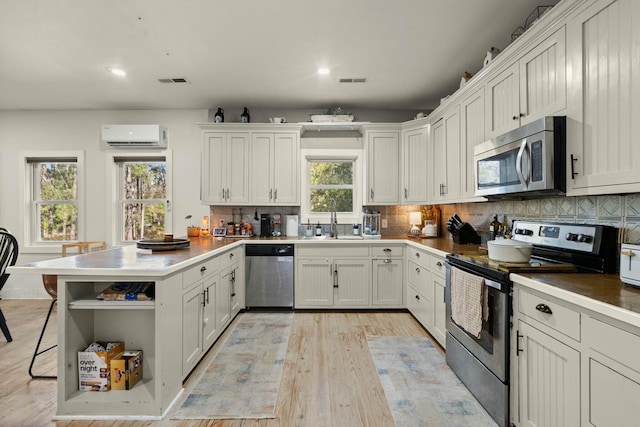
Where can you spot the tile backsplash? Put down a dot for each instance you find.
(620, 211)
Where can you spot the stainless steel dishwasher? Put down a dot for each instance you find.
(269, 276)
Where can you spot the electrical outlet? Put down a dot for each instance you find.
(384, 223)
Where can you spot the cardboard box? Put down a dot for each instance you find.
(93, 367)
(126, 370)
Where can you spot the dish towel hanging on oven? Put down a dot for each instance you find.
(469, 301)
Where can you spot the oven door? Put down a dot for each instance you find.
(492, 348)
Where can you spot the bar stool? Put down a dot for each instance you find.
(50, 282)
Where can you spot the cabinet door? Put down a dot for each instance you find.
(472, 133)
(446, 157)
(234, 291)
(352, 283)
(439, 331)
(214, 167)
(237, 164)
(209, 327)
(314, 283)
(191, 328)
(414, 166)
(604, 99)
(503, 102)
(223, 299)
(543, 82)
(286, 169)
(388, 282)
(548, 380)
(420, 307)
(261, 171)
(383, 168)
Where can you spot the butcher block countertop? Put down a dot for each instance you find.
(600, 293)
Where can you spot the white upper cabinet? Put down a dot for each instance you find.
(445, 157)
(414, 150)
(274, 170)
(472, 133)
(383, 175)
(604, 98)
(225, 168)
(532, 87)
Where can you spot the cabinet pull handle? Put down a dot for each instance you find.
(335, 276)
(204, 298)
(514, 118)
(573, 172)
(439, 264)
(518, 349)
(417, 270)
(386, 261)
(405, 193)
(544, 308)
(371, 194)
(270, 193)
(275, 194)
(386, 250)
(203, 269)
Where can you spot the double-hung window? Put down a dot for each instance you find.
(331, 179)
(142, 197)
(53, 210)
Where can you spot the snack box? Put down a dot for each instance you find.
(126, 370)
(93, 366)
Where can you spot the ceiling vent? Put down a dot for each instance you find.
(134, 136)
(352, 80)
(175, 80)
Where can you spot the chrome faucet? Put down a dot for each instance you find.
(333, 226)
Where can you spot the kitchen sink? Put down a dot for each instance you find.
(340, 237)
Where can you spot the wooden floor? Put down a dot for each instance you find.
(329, 378)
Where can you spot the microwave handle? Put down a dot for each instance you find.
(521, 176)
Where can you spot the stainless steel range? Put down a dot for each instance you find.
(481, 359)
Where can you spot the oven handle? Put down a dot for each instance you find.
(521, 176)
(491, 283)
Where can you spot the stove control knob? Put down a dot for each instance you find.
(571, 237)
(523, 231)
(584, 238)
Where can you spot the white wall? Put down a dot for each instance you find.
(80, 130)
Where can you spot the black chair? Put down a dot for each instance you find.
(8, 257)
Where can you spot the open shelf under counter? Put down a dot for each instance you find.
(94, 304)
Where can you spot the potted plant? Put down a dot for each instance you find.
(192, 230)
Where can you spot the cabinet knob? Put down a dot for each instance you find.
(544, 308)
(386, 261)
(418, 297)
(387, 250)
(417, 270)
(417, 254)
(439, 264)
(231, 256)
(203, 269)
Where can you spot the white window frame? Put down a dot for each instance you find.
(308, 155)
(27, 215)
(113, 169)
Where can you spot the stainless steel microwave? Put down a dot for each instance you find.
(526, 162)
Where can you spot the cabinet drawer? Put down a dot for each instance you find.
(560, 318)
(421, 258)
(437, 265)
(332, 251)
(618, 344)
(229, 257)
(420, 278)
(420, 307)
(387, 251)
(199, 271)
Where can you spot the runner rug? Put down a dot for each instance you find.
(419, 386)
(243, 379)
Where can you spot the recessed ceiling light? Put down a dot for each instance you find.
(117, 71)
(323, 71)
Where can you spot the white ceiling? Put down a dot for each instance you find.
(258, 53)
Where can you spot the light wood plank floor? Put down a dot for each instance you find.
(329, 377)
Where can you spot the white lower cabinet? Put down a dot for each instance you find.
(329, 282)
(388, 276)
(425, 291)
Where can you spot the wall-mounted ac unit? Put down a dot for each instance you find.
(134, 136)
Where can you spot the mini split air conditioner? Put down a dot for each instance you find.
(134, 136)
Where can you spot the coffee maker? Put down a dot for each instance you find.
(265, 225)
